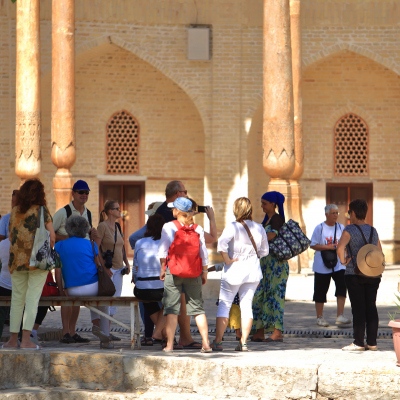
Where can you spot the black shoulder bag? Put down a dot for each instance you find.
(329, 257)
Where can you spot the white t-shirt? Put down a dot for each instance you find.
(5, 276)
(324, 234)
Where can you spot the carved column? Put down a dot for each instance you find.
(278, 139)
(28, 119)
(63, 152)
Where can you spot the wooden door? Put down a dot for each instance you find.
(130, 196)
(342, 194)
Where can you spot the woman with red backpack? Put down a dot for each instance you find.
(184, 261)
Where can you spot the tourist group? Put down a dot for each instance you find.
(171, 265)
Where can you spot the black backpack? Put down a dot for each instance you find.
(69, 213)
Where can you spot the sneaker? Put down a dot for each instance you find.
(34, 340)
(321, 321)
(353, 347)
(67, 338)
(100, 334)
(106, 345)
(342, 320)
(115, 338)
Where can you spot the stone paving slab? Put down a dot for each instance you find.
(298, 368)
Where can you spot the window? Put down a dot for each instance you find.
(351, 146)
(122, 144)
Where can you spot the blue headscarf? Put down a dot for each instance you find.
(278, 199)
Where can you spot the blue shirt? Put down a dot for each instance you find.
(4, 222)
(136, 236)
(78, 266)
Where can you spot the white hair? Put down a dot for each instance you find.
(330, 207)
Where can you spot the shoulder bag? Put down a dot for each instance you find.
(250, 236)
(42, 255)
(106, 285)
(329, 257)
(290, 242)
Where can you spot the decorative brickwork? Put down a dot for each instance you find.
(122, 144)
(351, 146)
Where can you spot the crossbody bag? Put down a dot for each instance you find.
(250, 237)
(329, 257)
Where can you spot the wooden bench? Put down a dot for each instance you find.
(91, 303)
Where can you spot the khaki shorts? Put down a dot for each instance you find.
(172, 295)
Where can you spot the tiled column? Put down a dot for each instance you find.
(63, 152)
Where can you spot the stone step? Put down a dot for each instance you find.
(60, 393)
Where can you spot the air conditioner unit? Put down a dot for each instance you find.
(198, 43)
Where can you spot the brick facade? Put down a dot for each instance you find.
(202, 120)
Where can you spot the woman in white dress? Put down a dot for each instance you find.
(242, 273)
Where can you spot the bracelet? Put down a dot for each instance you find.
(205, 271)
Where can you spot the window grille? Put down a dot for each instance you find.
(122, 144)
(351, 146)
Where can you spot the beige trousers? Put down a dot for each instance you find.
(27, 287)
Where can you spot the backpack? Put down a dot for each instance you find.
(184, 253)
(89, 214)
(50, 288)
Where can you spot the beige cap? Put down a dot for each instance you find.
(154, 209)
(371, 260)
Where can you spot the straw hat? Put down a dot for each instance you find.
(371, 260)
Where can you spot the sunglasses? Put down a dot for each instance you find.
(116, 208)
(82, 192)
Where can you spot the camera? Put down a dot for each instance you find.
(124, 271)
(107, 257)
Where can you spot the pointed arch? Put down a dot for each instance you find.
(307, 61)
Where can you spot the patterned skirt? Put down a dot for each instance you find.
(269, 298)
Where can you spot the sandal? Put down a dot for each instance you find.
(146, 341)
(241, 347)
(216, 346)
(176, 345)
(167, 351)
(203, 350)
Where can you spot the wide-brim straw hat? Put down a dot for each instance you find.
(371, 260)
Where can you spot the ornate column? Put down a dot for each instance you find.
(28, 122)
(278, 139)
(63, 152)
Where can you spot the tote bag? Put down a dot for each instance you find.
(42, 255)
(290, 242)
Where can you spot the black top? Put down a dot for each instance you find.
(276, 222)
(166, 212)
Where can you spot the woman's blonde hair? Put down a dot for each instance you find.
(107, 207)
(188, 217)
(243, 209)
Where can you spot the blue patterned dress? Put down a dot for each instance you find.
(269, 298)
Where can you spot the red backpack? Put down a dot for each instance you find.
(50, 288)
(184, 254)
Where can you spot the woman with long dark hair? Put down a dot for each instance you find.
(27, 282)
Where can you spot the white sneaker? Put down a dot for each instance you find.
(321, 321)
(353, 347)
(342, 320)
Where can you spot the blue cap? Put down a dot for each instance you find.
(81, 185)
(181, 204)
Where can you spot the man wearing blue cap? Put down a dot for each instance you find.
(80, 195)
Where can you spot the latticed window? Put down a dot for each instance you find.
(351, 146)
(122, 144)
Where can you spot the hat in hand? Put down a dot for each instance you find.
(371, 260)
(153, 210)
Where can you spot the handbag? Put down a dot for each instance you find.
(290, 242)
(50, 287)
(42, 255)
(329, 257)
(250, 237)
(106, 285)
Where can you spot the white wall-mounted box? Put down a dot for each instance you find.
(198, 43)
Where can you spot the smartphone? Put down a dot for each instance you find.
(201, 209)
